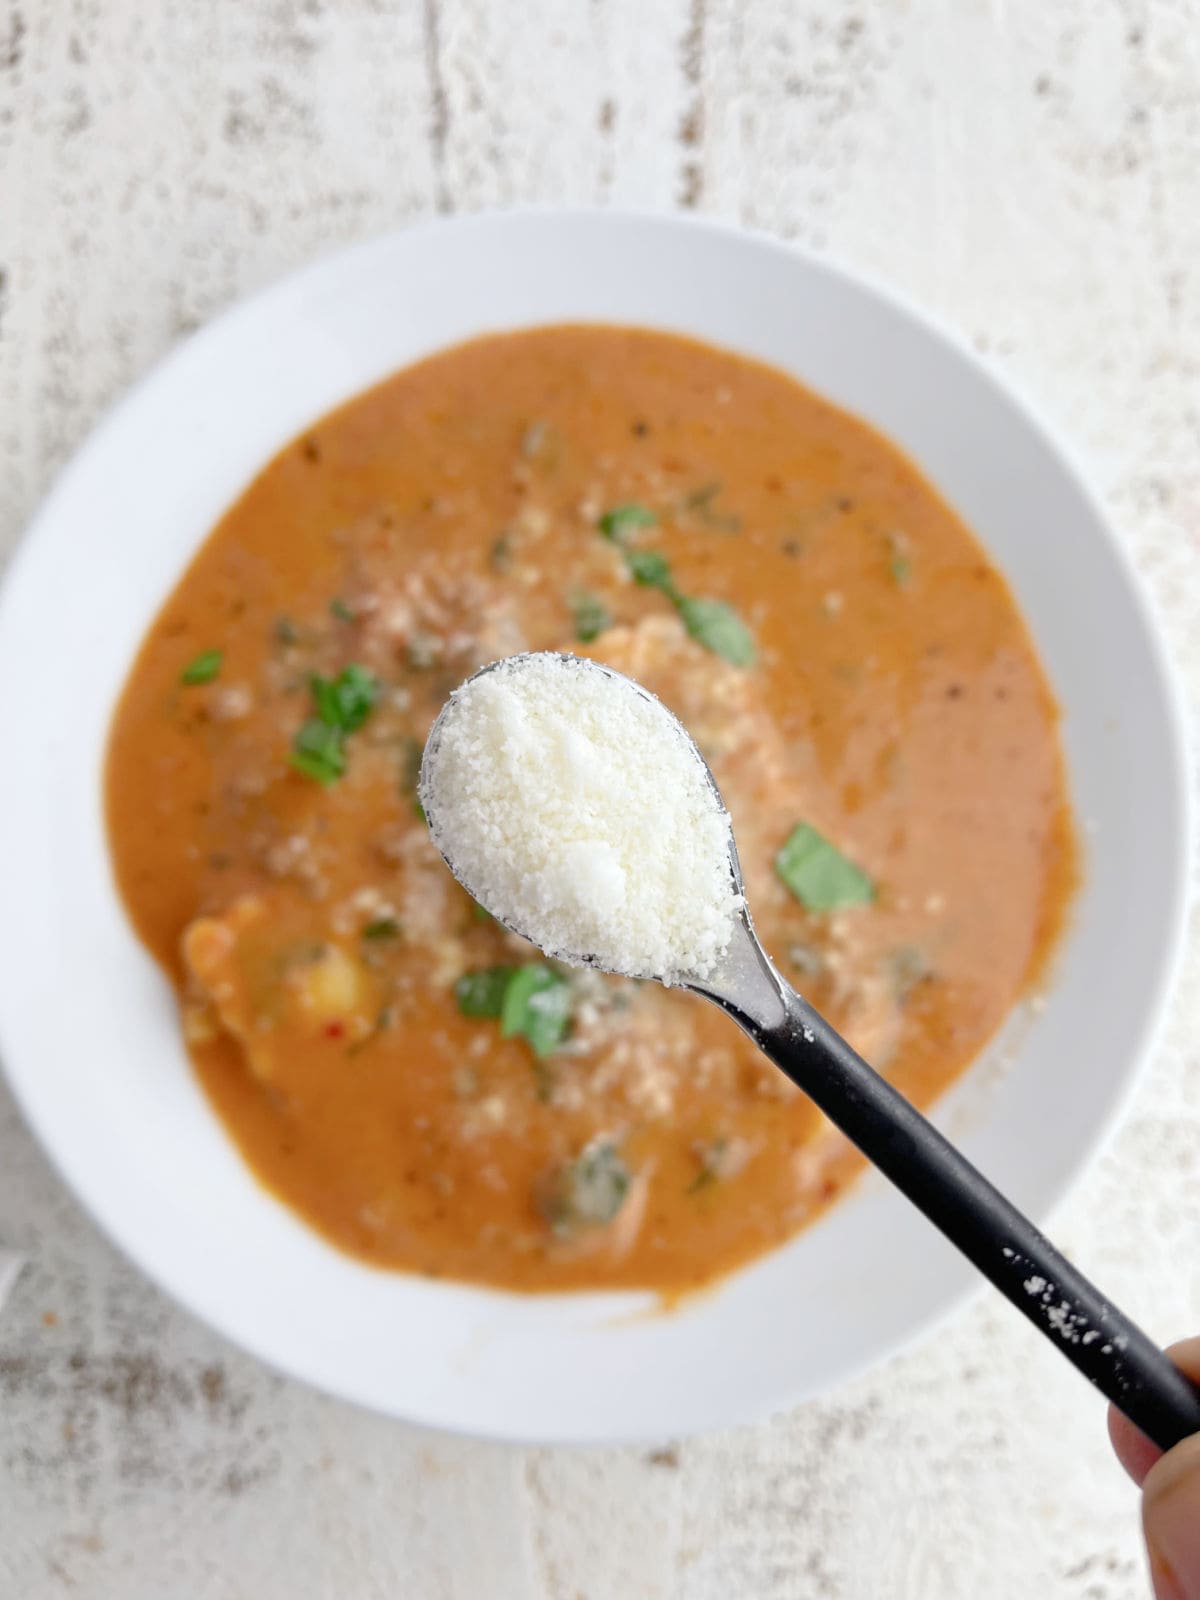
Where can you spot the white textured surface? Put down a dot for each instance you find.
(1031, 171)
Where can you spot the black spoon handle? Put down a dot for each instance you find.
(1111, 1351)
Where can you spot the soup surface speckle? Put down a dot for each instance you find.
(425, 1088)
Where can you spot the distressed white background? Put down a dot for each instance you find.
(1029, 169)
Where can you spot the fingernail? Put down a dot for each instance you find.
(1171, 1512)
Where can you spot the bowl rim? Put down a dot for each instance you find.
(1166, 684)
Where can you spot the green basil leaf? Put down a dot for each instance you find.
(587, 1192)
(651, 569)
(712, 1162)
(621, 521)
(700, 502)
(325, 699)
(910, 968)
(500, 556)
(717, 626)
(345, 702)
(317, 751)
(591, 617)
(537, 1007)
(701, 498)
(202, 668)
(480, 993)
(818, 874)
(356, 691)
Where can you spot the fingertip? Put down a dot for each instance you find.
(1171, 1518)
(1133, 1450)
(1186, 1356)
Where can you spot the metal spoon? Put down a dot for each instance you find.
(1111, 1351)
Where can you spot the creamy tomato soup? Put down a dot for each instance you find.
(423, 1087)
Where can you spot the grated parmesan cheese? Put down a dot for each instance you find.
(576, 809)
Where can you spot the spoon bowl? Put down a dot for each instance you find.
(428, 796)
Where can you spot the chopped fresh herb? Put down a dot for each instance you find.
(587, 1192)
(537, 1006)
(651, 569)
(286, 631)
(818, 874)
(712, 1160)
(317, 751)
(712, 623)
(621, 521)
(900, 565)
(342, 704)
(700, 503)
(481, 913)
(532, 1002)
(345, 702)
(698, 499)
(591, 617)
(909, 966)
(382, 928)
(202, 668)
(357, 692)
(339, 609)
(717, 626)
(500, 556)
(325, 700)
(481, 993)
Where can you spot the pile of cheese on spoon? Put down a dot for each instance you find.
(577, 810)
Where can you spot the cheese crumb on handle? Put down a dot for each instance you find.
(575, 807)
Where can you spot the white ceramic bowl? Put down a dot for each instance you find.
(88, 1026)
